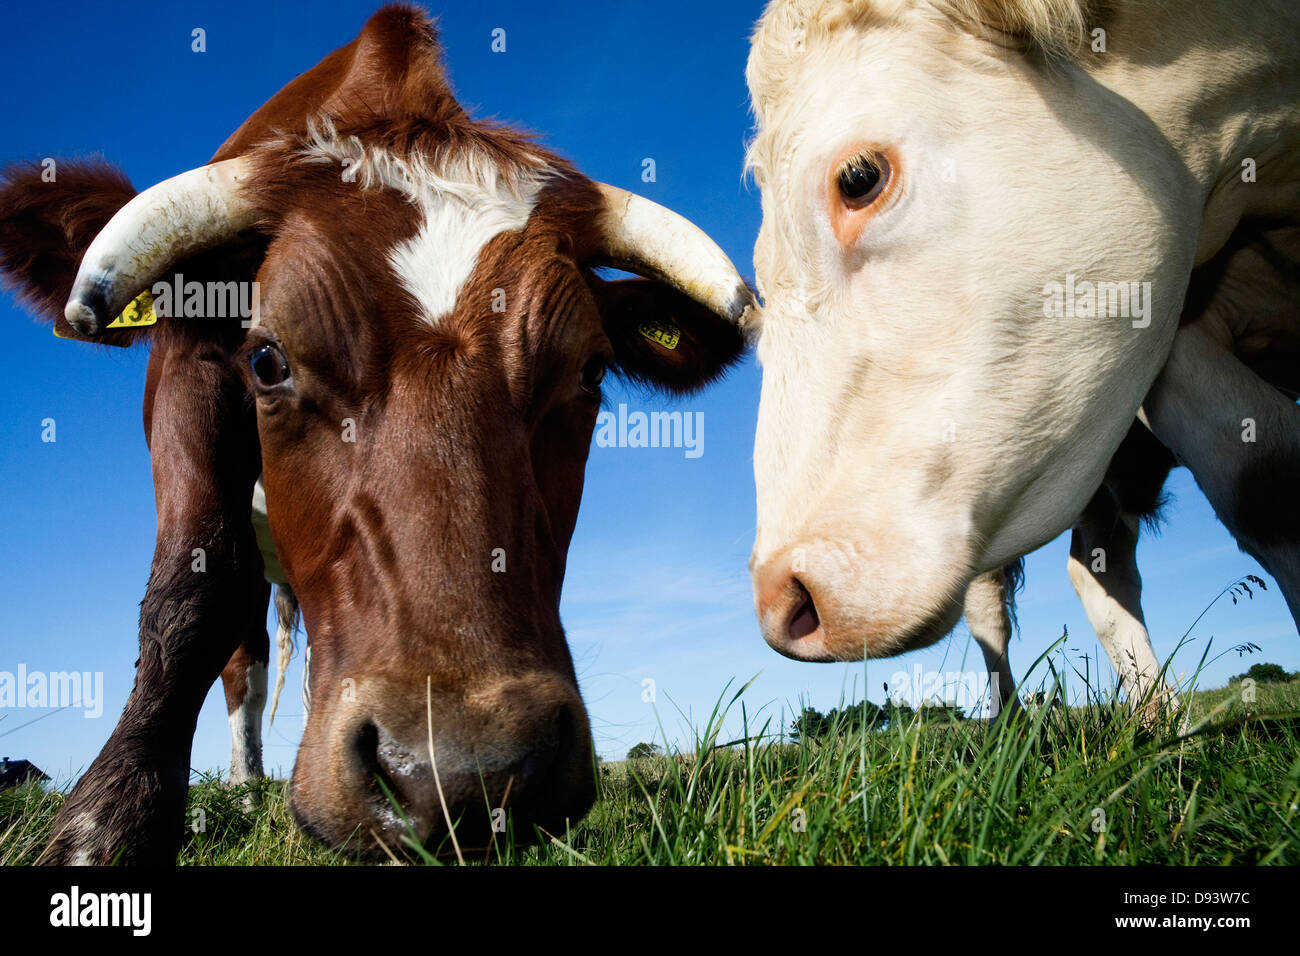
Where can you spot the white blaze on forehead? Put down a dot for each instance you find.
(466, 200)
(436, 262)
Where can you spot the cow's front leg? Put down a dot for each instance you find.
(1103, 569)
(206, 595)
(1240, 437)
(990, 600)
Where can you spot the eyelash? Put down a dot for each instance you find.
(270, 356)
(862, 179)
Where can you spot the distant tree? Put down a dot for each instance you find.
(812, 724)
(1266, 674)
(861, 716)
(809, 725)
(941, 710)
(896, 710)
(644, 750)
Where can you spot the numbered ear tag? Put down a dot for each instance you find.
(136, 315)
(139, 313)
(661, 333)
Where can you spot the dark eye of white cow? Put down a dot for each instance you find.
(270, 367)
(593, 373)
(860, 178)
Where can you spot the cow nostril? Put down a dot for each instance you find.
(805, 620)
(365, 745)
(553, 749)
(566, 734)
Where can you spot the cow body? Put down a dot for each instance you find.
(411, 407)
(993, 234)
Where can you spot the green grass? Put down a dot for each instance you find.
(1084, 785)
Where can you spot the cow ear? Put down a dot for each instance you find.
(47, 221)
(663, 337)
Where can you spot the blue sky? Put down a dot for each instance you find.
(657, 584)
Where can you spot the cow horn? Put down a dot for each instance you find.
(643, 237)
(178, 217)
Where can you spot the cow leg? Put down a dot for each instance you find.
(1103, 569)
(244, 680)
(206, 596)
(989, 612)
(1241, 439)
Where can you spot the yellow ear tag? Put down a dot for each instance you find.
(661, 333)
(136, 315)
(139, 313)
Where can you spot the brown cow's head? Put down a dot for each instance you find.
(426, 370)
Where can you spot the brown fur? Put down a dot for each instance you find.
(471, 437)
(45, 228)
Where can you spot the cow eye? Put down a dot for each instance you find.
(860, 179)
(593, 373)
(270, 367)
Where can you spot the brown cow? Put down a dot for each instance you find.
(418, 394)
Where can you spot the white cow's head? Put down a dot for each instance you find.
(936, 400)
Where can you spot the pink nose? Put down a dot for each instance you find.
(787, 611)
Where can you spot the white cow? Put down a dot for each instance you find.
(994, 231)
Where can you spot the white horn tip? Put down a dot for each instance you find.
(82, 317)
(744, 310)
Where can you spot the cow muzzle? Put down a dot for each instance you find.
(397, 765)
(825, 601)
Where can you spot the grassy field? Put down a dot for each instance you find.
(1080, 785)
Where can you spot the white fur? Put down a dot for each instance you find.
(1198, 407)
(306, 683)
(265, 543)
(246, 728)
(1119, 626)
(466, 201)
(985, 610)
(286, 616)
(286, 603)
(84, 827)
(923, 349)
